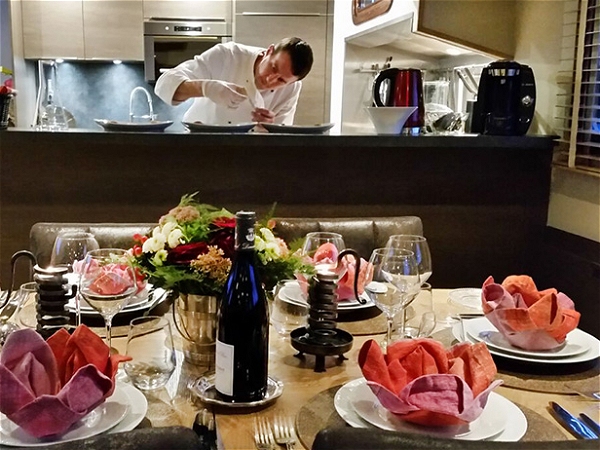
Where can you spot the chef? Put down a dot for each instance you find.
(235, 83)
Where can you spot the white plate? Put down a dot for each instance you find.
(292, 293)
(593, 352)
(138, 406)
(297, 129)
(467, 297)
(138, 302)
(113, 125)
(104, 417)
(357, 391)
(481, 329)
(198, 127)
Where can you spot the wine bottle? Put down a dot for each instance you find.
(242, 323)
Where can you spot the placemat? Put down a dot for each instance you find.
(363, 321)
(552, 378)
(320, 413)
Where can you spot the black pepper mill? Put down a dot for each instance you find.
(53, 294)
(322, 337)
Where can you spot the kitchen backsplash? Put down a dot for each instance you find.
(100, 90)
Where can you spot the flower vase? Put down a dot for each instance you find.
(195, 317)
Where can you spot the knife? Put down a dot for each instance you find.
(572, 423)
(591, 423)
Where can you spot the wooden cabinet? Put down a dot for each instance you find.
(53, 29)
(113, 29)
(84, 29)
(188, 9)
(262, 23)
(486, 25)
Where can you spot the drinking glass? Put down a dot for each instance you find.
(419, 246)
(323, 248)
(150, 346)
(70, 247)
(419, 316)
(288, 313)
(107, 282)
(394, 276)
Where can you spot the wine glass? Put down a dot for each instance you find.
(323, 249)
(107, 282)
(69, 248)
(394, 275)
(419, 246)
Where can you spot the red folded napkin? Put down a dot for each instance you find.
(528, 318)
(423, 383)
(45, 387)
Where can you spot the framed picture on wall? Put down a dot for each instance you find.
(363, 10)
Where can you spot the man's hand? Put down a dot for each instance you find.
(223, 93)
(263, 115)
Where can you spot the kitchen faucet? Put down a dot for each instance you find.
(150, 116)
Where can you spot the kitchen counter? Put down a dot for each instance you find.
(483, 199)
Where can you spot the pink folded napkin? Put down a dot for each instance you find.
(45, 387)
(528, 318)
(423, 383)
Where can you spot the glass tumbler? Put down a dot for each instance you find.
(150, 346)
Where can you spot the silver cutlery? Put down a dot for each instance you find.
(263, 435)
(284, 432)
(572, 423)
(591, 423)
(592, 394)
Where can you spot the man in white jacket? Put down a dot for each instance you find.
(235, 83)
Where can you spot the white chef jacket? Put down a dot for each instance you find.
(233, 63)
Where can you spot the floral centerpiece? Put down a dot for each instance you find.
(191, 248)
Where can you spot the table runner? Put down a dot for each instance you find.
(320, 413)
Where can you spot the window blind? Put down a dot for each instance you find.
(578, 103)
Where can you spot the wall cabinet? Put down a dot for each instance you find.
(84, 29)
(262, 23)
(189, 9)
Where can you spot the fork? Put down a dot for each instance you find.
(263, 435)
(284, 432)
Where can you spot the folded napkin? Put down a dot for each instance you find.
(45, 387)
(328, 253)
(528, 318)
(423, 383)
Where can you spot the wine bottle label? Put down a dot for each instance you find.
(224, 368)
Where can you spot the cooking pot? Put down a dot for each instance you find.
(401, 87)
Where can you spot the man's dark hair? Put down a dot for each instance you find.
(300, 53)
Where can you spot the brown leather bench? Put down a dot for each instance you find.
(361, 234)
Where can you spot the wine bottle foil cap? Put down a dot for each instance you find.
(245, 215)
(244, 230)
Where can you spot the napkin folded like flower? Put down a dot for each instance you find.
(423, 383)
(528, 318)
(45, 387)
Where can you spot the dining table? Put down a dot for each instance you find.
(308, 395)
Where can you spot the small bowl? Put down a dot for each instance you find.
(390, 119)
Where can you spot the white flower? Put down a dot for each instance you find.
(174, 238)
(259, 244)
(160, 257)
(168, 228)
(267, 234)
(153, 244)
(273, 247)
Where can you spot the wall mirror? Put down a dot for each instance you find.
(363, 10)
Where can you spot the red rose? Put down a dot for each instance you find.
(225, 240)
(184, 254)
(224, 222)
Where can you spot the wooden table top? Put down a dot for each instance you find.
(174, 405)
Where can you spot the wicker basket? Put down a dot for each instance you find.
(4, 106)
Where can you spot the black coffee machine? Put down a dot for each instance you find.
(505, 99)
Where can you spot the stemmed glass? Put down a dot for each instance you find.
(323, 248)
(394, 275)
(107, 283)
(419, 246)
(69, 248)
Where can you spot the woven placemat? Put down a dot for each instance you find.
(551, 378)
(320, 413)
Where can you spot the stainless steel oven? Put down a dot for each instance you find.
(168, 42)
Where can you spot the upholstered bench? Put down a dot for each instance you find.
(361, 234)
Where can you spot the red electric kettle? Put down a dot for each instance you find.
(401, 87)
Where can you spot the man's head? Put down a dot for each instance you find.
(287, 61)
